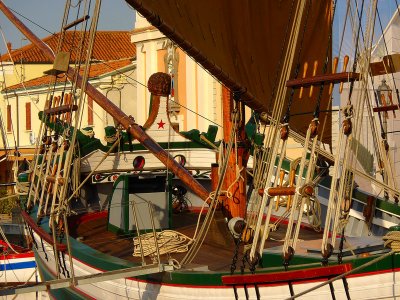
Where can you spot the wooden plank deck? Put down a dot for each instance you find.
(216, 252)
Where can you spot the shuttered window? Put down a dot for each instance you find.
(9, 122)
(90, 111)
(28, 115)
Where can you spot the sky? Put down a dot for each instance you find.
(386, 9)
(115, 15)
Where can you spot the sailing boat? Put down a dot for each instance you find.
(80, 253)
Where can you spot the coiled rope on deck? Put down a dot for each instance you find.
(392, 240)
(169, 241)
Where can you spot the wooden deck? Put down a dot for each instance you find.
(216, 252)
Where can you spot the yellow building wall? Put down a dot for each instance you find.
(18, 73)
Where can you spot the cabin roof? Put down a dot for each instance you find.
(96, 70)
(109, 45)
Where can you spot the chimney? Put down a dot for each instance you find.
(9, 46)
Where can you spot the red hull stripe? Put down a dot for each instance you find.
(312, 273)
(15, 256)
(43, 234)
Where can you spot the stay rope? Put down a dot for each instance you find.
(201, 234)
(264, 173)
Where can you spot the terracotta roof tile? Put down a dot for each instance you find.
(109, 45)
(96, 70)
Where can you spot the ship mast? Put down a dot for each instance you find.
(236, 177)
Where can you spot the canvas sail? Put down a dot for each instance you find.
(241, 44)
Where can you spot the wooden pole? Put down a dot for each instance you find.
(236, 205)
(126, 121)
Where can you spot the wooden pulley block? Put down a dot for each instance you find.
(247, 235)
(284, 132)
(54, 146)
(46, 140)
(327, 252)
(345, 205)
(385, 145)
(314, 128)
(289, 254)
(347, 127)
(66, 145)
(307, 190)
(42, 149)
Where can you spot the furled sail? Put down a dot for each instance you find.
(241, 44)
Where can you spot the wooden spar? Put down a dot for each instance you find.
(126, 121)
(306, 190)
(322, 79)
(278, 191)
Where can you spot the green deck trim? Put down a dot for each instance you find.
(389, 263)
(275, 259)
(195, 136)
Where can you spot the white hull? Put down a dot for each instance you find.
(368, 286)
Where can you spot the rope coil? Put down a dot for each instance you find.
(392, 240)
(169, 241)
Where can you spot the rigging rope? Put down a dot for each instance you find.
(79, 112)
(200, 236)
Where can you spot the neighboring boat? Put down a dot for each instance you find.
(104, 228)
(17, 266)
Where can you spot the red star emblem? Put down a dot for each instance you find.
(161, 124)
